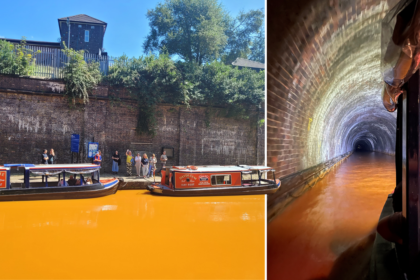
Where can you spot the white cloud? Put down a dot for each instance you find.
(2, 36)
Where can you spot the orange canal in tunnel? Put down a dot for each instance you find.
(342, 209)
(134, 235)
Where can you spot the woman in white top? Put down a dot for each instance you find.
(152, 164)
(138, 164)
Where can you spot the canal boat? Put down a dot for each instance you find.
(215, 180)
(51, 188)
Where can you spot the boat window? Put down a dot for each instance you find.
(221, 180)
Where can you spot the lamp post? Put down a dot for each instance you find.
(68, 23)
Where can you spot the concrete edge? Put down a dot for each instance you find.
(296, 184)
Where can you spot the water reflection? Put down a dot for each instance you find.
(131, 234)
(336, 214)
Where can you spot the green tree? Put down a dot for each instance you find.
(236, 89)
(201, 31)
(258, 46)
(245, 33)
(79, 77)
(192, 29)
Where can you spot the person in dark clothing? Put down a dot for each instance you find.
(44, 157)
(72, 181)
(115, 162)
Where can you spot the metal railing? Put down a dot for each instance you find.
(49, 63)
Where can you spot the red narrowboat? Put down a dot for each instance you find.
(215, 180)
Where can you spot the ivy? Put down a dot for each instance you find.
(79, 77)
(150, 80)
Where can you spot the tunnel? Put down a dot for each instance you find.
(324, 105)
(324, 82)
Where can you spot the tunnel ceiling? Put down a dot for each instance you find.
(324, 82)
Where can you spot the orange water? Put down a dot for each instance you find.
(135, 235)
(305, 240)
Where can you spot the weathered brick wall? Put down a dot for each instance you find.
(35, 115)
(324, 82)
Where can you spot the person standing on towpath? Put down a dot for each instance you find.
(44, 158)
(115, 162)
(129, 162)
(51, 157)
(98, 158)
(163, 160)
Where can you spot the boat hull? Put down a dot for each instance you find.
(53, 193)
(252, 190)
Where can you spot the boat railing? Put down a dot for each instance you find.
(50, 172)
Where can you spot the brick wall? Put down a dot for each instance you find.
(324, 82)
(35, 115)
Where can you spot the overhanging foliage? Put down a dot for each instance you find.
(157, 79)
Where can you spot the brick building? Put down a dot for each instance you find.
(86, 33)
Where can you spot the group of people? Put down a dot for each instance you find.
(48, 158)
(142, 163)
(74, 182)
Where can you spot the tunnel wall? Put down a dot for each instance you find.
(36, 116)
(324, 82)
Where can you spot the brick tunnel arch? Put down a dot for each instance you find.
(324, 82)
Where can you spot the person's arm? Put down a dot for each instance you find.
(391, 227)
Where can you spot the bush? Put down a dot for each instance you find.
(16, 59)
(79, 77)
(157, 79)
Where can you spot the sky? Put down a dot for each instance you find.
(127, 23)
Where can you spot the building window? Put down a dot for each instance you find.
(80, 26)
(220, 180)
(93, 27)
(86, 35)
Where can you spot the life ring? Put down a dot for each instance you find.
(192, 167)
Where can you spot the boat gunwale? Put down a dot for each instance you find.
(71, 194)
(240, 190)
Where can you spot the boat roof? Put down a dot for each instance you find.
(52, 166)
(222, 168)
